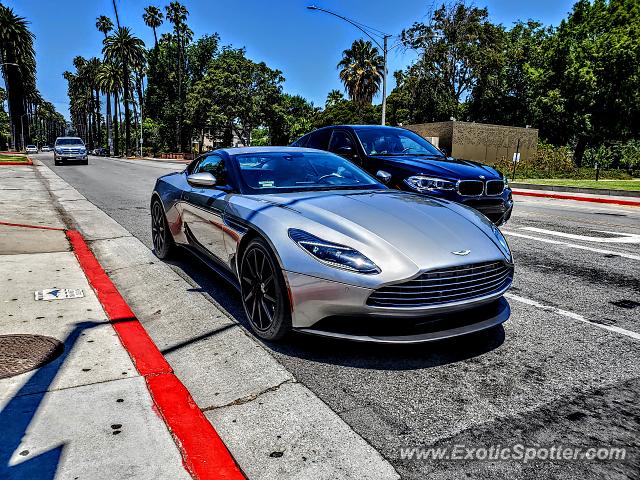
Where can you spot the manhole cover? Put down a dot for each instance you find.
(21, 353)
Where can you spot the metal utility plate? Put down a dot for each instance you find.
(58, 293)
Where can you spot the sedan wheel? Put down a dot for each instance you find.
(263, 292)
(162, 240)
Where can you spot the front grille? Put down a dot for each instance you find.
(445, 285)
(470, 187)
(494, 187)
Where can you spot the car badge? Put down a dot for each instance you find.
(462, 253)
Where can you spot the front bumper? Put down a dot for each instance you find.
(496, 208)
(71, 157)
(324, 307)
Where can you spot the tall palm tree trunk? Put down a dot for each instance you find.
(109, 141)
(116, 144)
(127, 113)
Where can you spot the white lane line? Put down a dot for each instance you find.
(574, 316)
(621, 237)
(573, 245)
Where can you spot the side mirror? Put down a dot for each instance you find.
(384, 176)
(202, 179)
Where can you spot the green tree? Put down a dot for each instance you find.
(128, 51)
(333, 98)
(243, 90)
(454, 46)
(177, 14)
(104, 25)
(361, 71)
(17, 57)
(152, 17)
(109, 80)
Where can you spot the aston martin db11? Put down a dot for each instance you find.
(315, 244)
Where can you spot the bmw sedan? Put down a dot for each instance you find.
(406, 161)
(316, 245)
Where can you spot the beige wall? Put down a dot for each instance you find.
(480, 142)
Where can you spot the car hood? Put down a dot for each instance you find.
(450, 169)
(392, 225)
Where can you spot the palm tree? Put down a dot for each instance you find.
(361, 71)
(110, 81)
(104, 25)
(177, 15)
(152, 17)
(333, 98)
(128, 51)
(18, 65)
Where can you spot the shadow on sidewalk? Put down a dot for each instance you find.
(21, 409)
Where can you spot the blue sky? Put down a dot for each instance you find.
(305, 45)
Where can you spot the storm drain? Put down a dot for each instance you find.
(22, 353)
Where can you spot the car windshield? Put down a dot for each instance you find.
(395, 141)
(69, 141)
(31, 146)
(274, 172)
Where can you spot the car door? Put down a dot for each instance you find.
(342, 143)
(203, 209)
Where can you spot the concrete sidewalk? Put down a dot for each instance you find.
(87, 413)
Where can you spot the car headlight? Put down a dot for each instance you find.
(502, 241)
(426, 184)
(333, 254)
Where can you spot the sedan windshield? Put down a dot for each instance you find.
(395, 141)
(300, 171)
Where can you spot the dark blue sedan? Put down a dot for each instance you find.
(406, 161)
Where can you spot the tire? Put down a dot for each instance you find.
(163, 244)
(264, 294)
(85, 162)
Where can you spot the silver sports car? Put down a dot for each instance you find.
(316, 245)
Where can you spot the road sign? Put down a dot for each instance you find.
(516, 157)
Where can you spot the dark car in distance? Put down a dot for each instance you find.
(406, 161)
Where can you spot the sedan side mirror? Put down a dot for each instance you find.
(384, 176)
(202, 179)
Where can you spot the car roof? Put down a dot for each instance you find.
(258, 150)
(361, 127)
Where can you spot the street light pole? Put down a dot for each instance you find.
(385, 51)
(383, 47)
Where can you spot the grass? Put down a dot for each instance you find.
(633, 184)
(13, 158)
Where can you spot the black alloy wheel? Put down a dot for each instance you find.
(162, 240)
(263, 292)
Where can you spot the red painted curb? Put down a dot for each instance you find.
(24, 225)
(17, 163)
(203, 453)
(208, 457)
(561, 196)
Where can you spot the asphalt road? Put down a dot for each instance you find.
(564, 370)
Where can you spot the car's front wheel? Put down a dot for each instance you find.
(163, 243)
(263, 292)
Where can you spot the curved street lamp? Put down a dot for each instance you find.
(369, 32)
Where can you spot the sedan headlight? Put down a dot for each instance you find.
(333, 254)
(421, 183)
